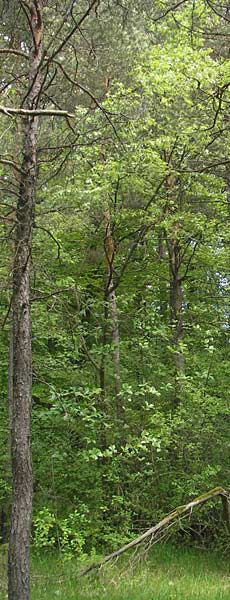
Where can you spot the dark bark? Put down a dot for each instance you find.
(20, 409)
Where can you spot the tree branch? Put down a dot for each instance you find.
(169, 10)
(45, 60)
(183, 277)
(91, 96)
(176, 514)
(225, 17)
(11, 163)
(70, 34)
(24, 112)
(24, 6)
(52, 237)
(14, 51)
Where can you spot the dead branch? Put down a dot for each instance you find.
(11, 163)
(176, 514)
(24, 112)
(14, 51)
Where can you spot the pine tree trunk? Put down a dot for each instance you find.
(20, 409)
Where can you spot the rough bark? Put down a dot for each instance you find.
(176, 514)
(18, 561)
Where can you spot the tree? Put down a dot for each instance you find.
(21, 400)
(21, 353)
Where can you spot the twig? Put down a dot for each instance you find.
(89, 93)
(52, 237)
(77, 25)
(11, 163)
(51, 294)
(169, 10)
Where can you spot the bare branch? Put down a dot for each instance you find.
(51, 294)
(88, 93)
(189, 261)
(67, 38)
(60, 47)
(9, 83)
(225, 17)
(14, 51)
(24, 7)
(89, 356)
(219, 96)
(50, 177)
(11, 163)
(138, 239)
(169, 10)
(52, 237)
(140, 236)
(58, 31)
(24, 112)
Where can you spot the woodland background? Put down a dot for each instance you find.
(130, 269)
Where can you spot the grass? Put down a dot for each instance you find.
(169, 574)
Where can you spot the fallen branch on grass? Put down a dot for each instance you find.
(178, 512)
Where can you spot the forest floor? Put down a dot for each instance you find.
(169, 574)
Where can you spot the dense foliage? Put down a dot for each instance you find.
(130, 278)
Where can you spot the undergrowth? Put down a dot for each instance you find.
(168, 574)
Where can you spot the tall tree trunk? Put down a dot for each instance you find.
(20, 409)
(175, 286)
(163, 292)
(116, 345)
(176, 301)
(103, 341)
(112, 309)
